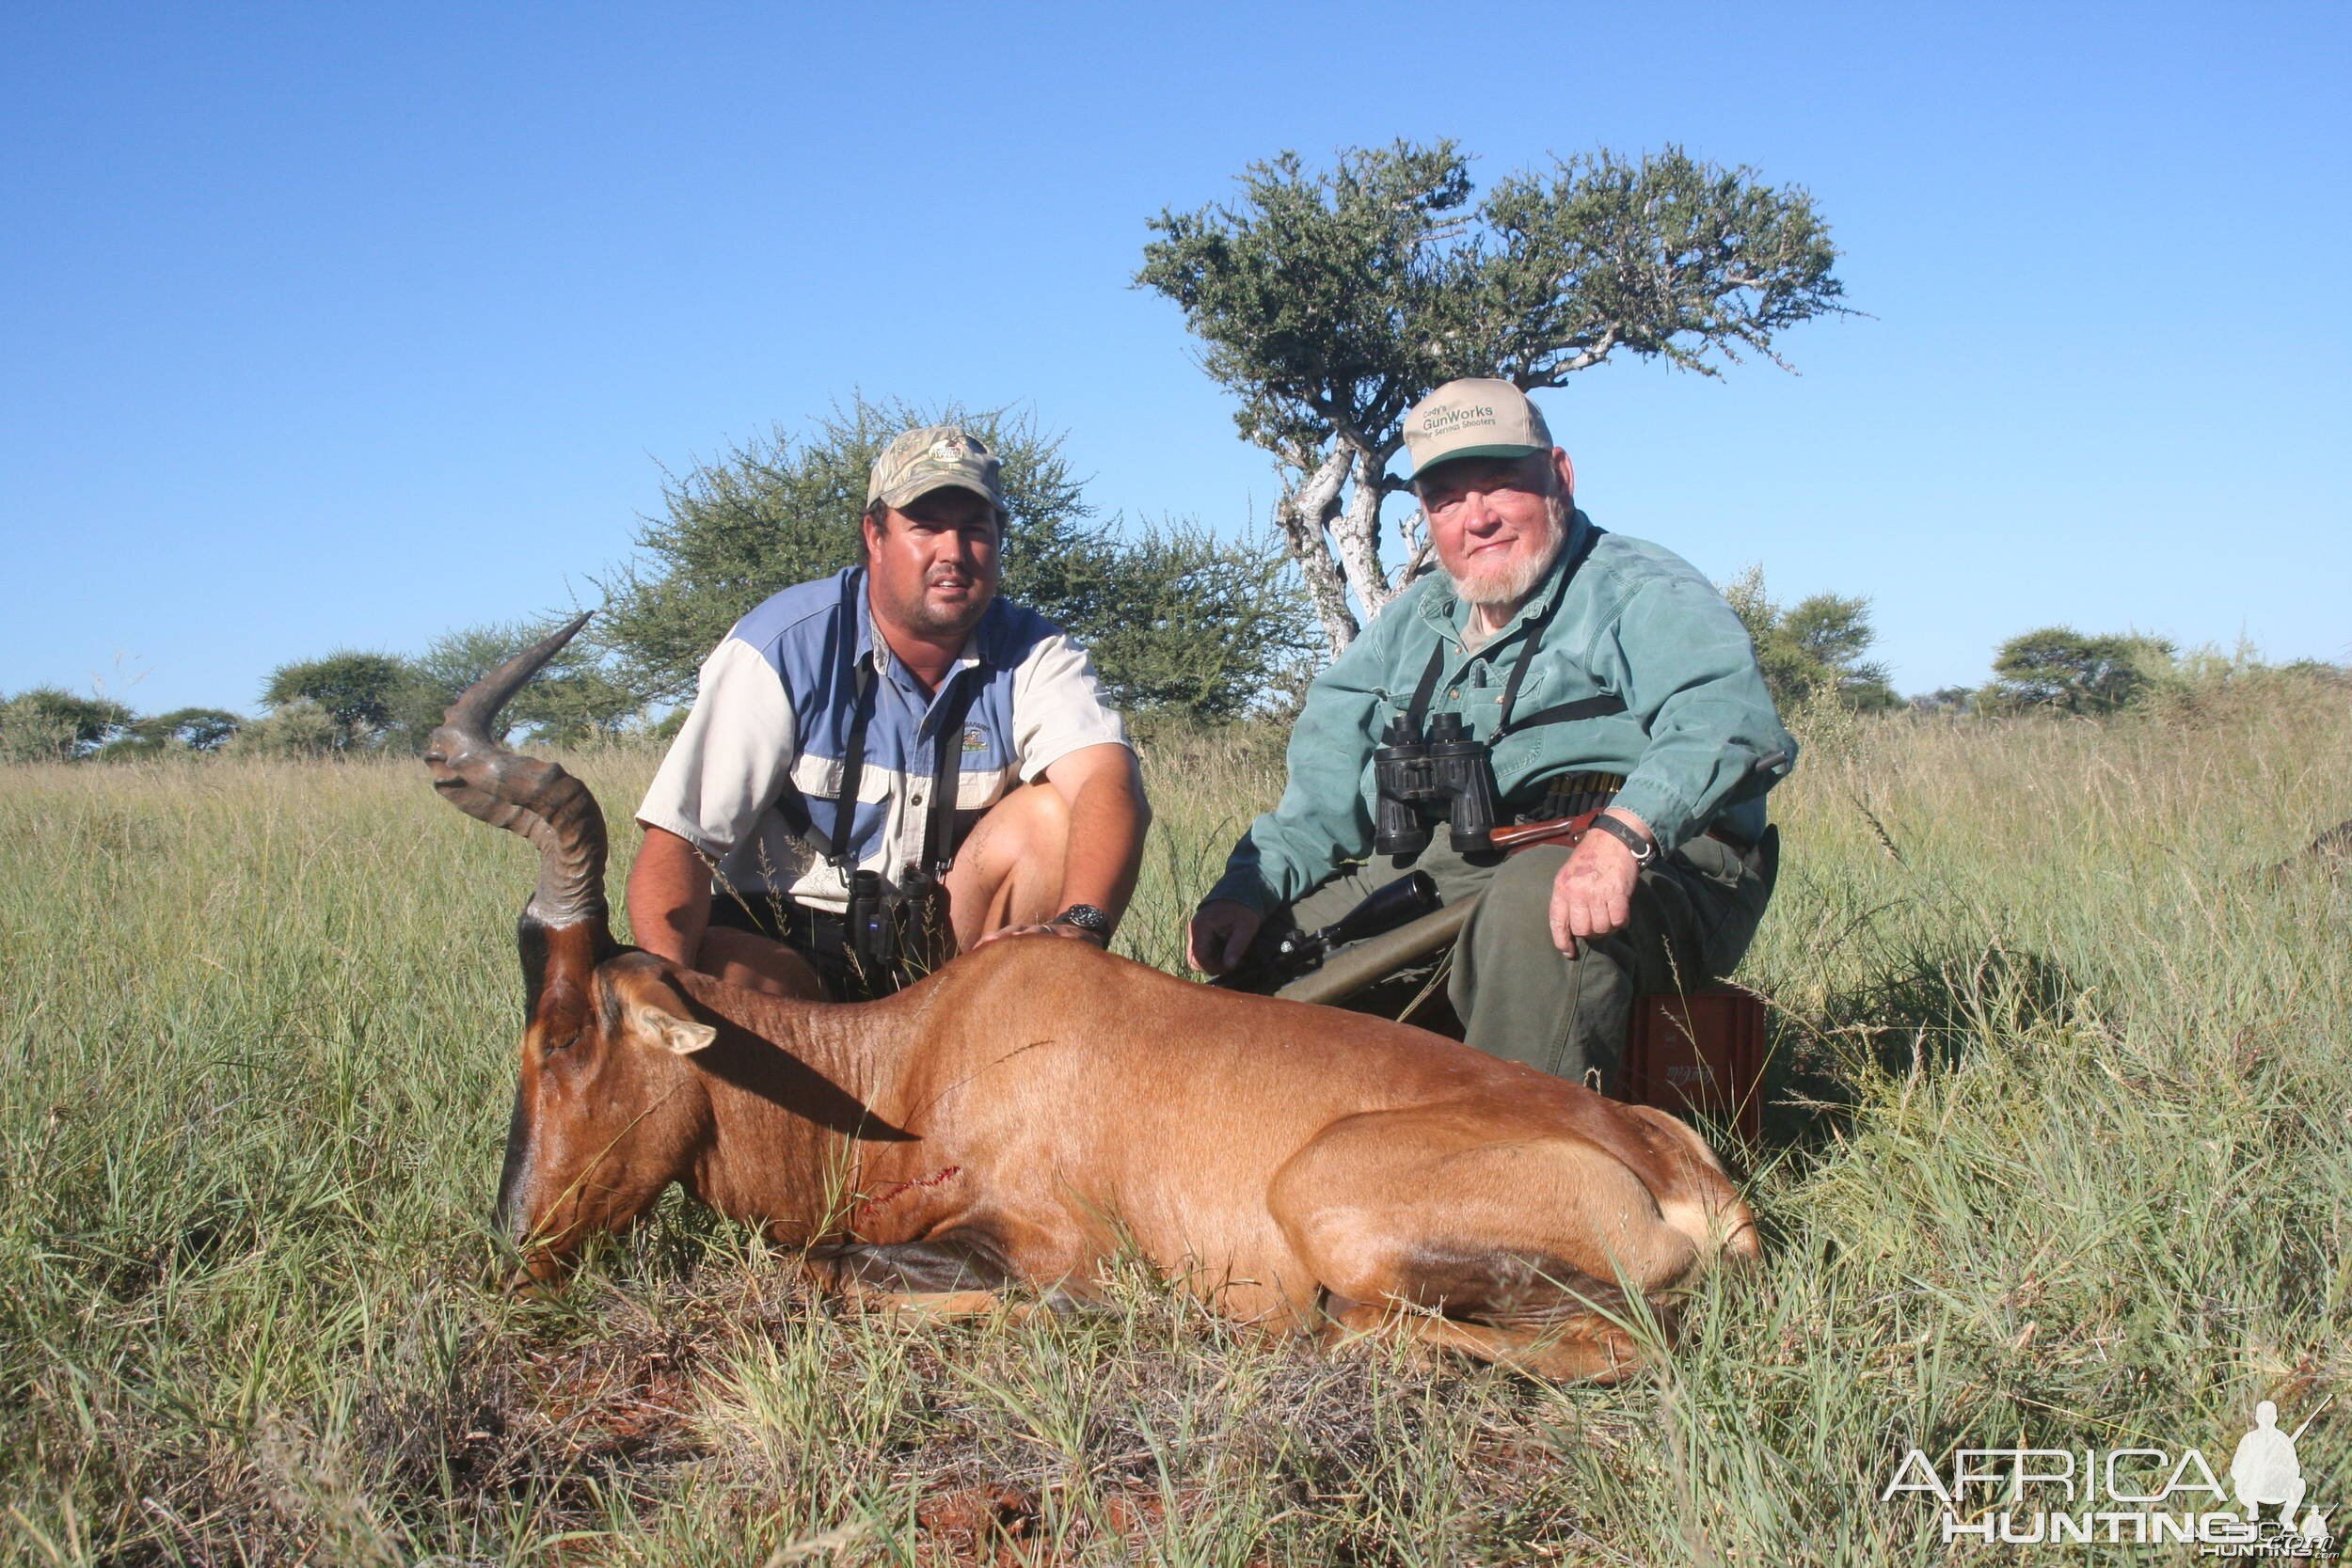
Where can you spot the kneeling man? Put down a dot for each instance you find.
(890, 764)
(1598, 671)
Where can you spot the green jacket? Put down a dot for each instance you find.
(1698, 742)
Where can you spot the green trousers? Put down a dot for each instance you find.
(1520, 997)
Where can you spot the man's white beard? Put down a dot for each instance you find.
(1506, 585)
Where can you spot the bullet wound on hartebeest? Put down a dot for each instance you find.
(1370, 1179)
(900, 1189)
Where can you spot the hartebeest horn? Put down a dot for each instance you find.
(526, 795)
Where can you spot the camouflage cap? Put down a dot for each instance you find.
(1473, 417)
(929, 457)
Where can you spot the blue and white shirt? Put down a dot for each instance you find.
(753, 779)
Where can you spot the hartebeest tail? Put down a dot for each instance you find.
(1036, 1106)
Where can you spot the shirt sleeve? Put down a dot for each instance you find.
(731, 760)
(1322, 822)
(1057, 707)
(1687, 671)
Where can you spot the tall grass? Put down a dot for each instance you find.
(2061, 1153)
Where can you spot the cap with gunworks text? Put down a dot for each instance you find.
(1473, 417)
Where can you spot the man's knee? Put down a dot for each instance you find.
(1032, 820)
(1011, 865)
(1521, 998)
(1507, 948)
(1025, 832)
(1517, 904)
(1048, 813)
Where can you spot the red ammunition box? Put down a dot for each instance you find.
(1700, 1053)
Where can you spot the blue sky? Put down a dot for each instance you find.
(334, 326)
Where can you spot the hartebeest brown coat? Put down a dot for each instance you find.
(1037, 1107)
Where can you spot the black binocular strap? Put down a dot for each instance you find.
(852, 771)
(861, 713)
(1567, 713)
(939, 845)
(1421, 693)
(1559, 713)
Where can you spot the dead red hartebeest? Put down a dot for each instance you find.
(1035, 1106)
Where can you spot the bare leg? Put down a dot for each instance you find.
(1008, 873)
(1009, 870)
(753, 962)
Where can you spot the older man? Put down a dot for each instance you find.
(1600, 671)
(891, 764)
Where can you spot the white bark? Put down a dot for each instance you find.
(1414, 531)
(1304, 514)
(1356, 534)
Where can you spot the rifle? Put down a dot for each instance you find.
(1392, 950)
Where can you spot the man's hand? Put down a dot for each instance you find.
(1051, 929)
(1593, 896)
(1221, 932)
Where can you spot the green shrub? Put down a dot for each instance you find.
(51, 724)
(295, 728)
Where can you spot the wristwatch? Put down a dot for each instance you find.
(1644, 849)
(1087, 918)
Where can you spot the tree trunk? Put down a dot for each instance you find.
(1305, 513)
(1356, 534)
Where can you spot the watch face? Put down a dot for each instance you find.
(1086, 917)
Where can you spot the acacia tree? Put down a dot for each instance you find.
(1174, 617)
(201, 730)
(1816, 645)
(50, 725)
(573, 700)
(2058, 667)
(1330, 302)
(360, 691)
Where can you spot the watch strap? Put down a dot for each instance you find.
(1644, 849)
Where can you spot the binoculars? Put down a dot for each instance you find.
(1446, 774)
(894, 938)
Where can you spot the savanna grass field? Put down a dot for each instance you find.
(2060, 1155)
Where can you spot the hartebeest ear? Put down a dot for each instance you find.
(651, 1010)
(681, 1034)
